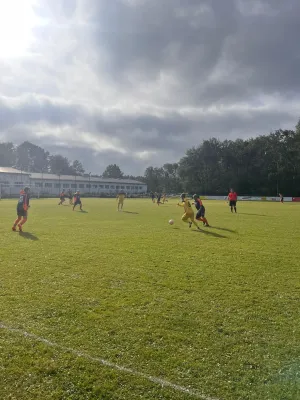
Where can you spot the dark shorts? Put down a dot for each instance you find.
(62, 198)
(232, 203)
(200, 213)
(21, 212)
(77, 203)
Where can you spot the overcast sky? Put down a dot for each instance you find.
(137, 82)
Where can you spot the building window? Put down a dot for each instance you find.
(117, 187)
(66, 185)
(95, 186)
(88, 186)
(73, 185)
(48, 185)
(38, 184)
(112, 187)
(128, 187)
(57, 185)
(81, 185)
(122, 187)
(106, 186)
(136, 188)
(132, 187)
(140, 188)
(101, 186)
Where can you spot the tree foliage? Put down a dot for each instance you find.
(264, 165)
(113, 171)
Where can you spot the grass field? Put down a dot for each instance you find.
(214, 314)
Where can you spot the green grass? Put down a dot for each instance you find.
(216, 312)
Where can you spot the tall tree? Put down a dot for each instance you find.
(32, 158)
(7, 155)
(60, 165)
(78, 167)
(154, 177)
(113, 171)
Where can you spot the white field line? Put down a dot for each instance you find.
(150, 378)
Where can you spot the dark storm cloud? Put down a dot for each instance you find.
(189, 39)
(177, 71)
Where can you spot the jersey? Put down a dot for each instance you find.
(187, 206)
(23, 202)
(232, 196)
(121, 197)
(198, 204)
(77, 198)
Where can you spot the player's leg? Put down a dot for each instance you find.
(16, 222)
(192, 218)
(234, 206)
(205, 222)
(185, 218)
(80, 206)
(20, 225)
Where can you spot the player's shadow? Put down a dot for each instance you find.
(223, 229)
(130, 212)
(84, 212)
(28, 235)
(214, 234)
(257, 215)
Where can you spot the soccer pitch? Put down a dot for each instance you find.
(106, 305)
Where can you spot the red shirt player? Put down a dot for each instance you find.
(232, 198)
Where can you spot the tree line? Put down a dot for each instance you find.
(28, 157)
(265, 165)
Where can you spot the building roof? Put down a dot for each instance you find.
(9, 170)
(79, 178)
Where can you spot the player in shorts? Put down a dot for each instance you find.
(232, 198)
(62, 198)
(200, 216)
(77, 201)
(152, 197)
(22, 209)
(281, 198)
(188, 216)
(70, 196)
(120, 198)
(158, 199)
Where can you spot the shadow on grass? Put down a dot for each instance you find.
(83, 212)
(223, 229)
(130, 212)
(214, 234)
(257, 215)
(28, 235)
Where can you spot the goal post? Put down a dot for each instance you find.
(13, 191)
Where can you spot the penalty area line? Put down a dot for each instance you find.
(106, 363)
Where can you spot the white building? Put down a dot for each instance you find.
(12, 180)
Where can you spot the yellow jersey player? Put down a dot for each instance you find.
(188, 216)
(120, 198)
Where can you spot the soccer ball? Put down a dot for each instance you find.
(171, 222)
